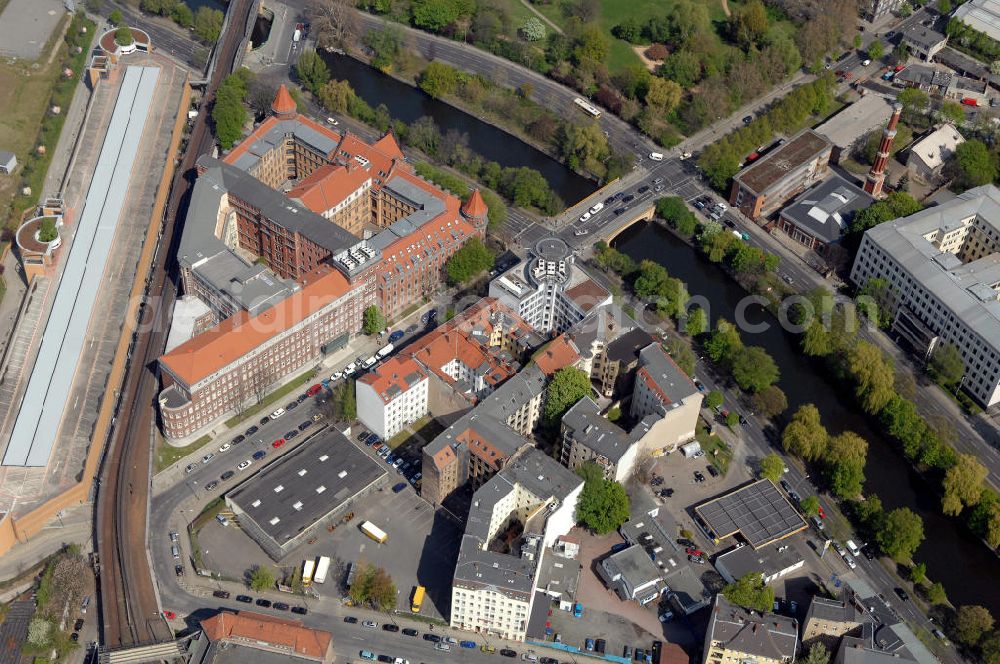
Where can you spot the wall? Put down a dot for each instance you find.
(676, 428)
(371, 410)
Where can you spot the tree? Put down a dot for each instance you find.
(208, 24)
(336, 96)
(944, 6)
(900, 533)
(697, 322)
(873, 376)
(751, 592)
(770, 402)
(123, 36)
(382, 591)
(663, 95)
(724, 343)
(951, 111)
(342, 405)
(818, 654)
(680, 350)
(754, 369)
(844, 460)
(749, 24)
(972, 623)
(713, 399)
(914, 100)
(675, 212)
(603, 504)
(228, 113)
(918, 573)
(374, 321)
(333, 22)
(312, 71)
(386, 45)
(898, 204)
(936, 593)
(973, 163)
(468, 262)
(805, 436)
(772, 467)
(568, 386)
(116, 18)
(39, 632)
(182, 15)
(583, 144)
(946, 366)
(963, 484)
(875, 50)
(732, 419)
(435, 15)
(261, 578)
(533, 30)
(810, 505)
(439, 80)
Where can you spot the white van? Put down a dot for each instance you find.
(852, 547)
(656, 156)
(278, 413)
(332, 121)
(597, 208)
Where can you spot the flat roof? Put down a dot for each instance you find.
(294, 492)
(826, 210)
(770, 169)
(41, 409)
(759, 512)
(856, 120)
(981, 15)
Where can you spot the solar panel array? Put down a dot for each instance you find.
(41, 409)
(759, 512)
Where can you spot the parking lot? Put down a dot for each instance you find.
(422, 546)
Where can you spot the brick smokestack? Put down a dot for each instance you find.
(876, 176)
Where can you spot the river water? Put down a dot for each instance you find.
(969, 571)
(408, 103)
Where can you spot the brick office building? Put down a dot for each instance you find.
(286, 276)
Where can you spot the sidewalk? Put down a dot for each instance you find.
(74, 527)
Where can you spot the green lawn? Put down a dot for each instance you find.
(167, 455)
(278, 394)
(716, 451)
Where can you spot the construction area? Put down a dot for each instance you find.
(52, 390)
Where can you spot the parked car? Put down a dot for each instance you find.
(350, 620)
(211, 485)
(278, 443)
(442, 646)
(467, 644)
(370, 624)
(396, 336)
(226, 475)
(433, 638)
(221, 594)
(244, 464)
(266, 603)
(389, 627)
(399, 487)
(507, 652)
(300, 610)
(179, 570)
(259, 454)
(251, 431)
(409, 631)
(245, 599)
(225, 447)
(589, 645)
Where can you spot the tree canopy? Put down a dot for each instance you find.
(963, 484)
(754, 369)
(844, 461)
(900, 533)
(468, 262)
(772, 467)
(373, 320)
(568, 386)
(972, 623)
(946, 365)
(751, 592)
(805, 436)
(312, 71)
(770, 402)
(603, 504)
(261, 578)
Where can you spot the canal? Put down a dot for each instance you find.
(408, 103)
(952, 554)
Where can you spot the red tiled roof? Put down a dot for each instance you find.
(559, 353)
(393, 372)
(236, 336)
(475, 206)
(328, 185)
(283, 103)
(272, 631)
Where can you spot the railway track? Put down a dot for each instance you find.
(129, 610)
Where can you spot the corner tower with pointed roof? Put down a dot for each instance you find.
(476, 211)
(283, 106)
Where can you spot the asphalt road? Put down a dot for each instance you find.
(173, 40)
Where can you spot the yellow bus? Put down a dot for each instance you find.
(418, 599)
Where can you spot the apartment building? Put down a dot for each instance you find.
(231, 636)
(496, 580)
(829, 619)
(469, 356)
(392, 396)
(547, 290)
(587, 436)
(664, 392)
(633, 575)
(736, 634)
(482, 441)
(222, 370)
(766, 184)
(943, 266)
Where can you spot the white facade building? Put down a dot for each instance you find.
(492, 592)
(943, 266)
(547, 291)
(392, 396)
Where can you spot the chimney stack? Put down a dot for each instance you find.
(876, 176)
